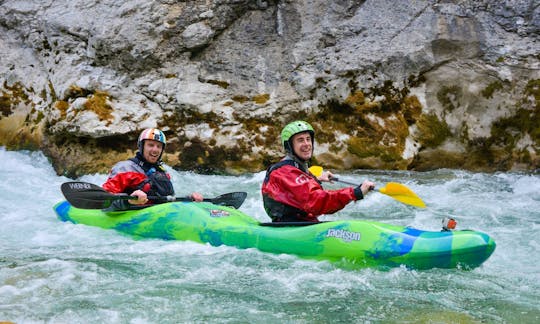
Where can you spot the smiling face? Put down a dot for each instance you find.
(302, 145)
(152, 150)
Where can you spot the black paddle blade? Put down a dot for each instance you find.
(86, 195)
(231, 199)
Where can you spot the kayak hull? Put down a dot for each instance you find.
(352, 244)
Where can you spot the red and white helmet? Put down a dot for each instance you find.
(151, 134)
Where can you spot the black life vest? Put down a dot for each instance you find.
(157, 182)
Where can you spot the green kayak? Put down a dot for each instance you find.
(352, 243)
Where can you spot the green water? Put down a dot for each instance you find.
(55, 272)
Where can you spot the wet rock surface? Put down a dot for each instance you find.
(387, 85)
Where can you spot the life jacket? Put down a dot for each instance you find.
(158, 182)
(278, 211)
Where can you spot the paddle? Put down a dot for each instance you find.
(89, 196)
(395, 190)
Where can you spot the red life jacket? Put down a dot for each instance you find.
(293, 194)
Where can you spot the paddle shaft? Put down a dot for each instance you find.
(221, 200)
(349, 183)
(342, 181)
(158, 198)
(89, 196)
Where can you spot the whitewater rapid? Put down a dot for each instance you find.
(55, 272)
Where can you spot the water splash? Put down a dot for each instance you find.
(52, 271)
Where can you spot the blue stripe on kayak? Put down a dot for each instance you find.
(62, 210)
(411, 234)
(395, 244)
(132, 225)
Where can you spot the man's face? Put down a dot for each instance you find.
(152, 150)
(301, 145)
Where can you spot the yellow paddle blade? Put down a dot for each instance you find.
(403, 194)
(316, 170)
(395, 190)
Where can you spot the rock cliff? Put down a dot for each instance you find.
(387, 84)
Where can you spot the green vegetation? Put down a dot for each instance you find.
(533, 89)
(433, 131)
(525, 120)
(449, 97)
(240, 98)
(491, 88)
(62, 106)
(261, 98)
(222, 84)
(97, 102)
(14, 95)
(377, 129)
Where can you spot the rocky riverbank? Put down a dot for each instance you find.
(387, 85)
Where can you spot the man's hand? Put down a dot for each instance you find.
(326, 176)
(142, 198)
(196, 196)
(367, 186)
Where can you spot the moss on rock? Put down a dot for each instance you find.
(491, 88)
(261, 98)
(433, 131)
(201, 157)
(449, 97)
(98, 103)
(74, 157)
(21, 124)
(514, 140)
(62, 106)
(11, 97)
(376, 129)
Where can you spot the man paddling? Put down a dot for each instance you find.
(143, 175)
(291, 193)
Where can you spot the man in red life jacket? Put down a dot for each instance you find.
(291, 193)
(143, 175)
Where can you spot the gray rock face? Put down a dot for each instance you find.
(387, 84)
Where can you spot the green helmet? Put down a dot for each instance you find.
(298, 126)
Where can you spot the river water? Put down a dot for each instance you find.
(55, 272)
